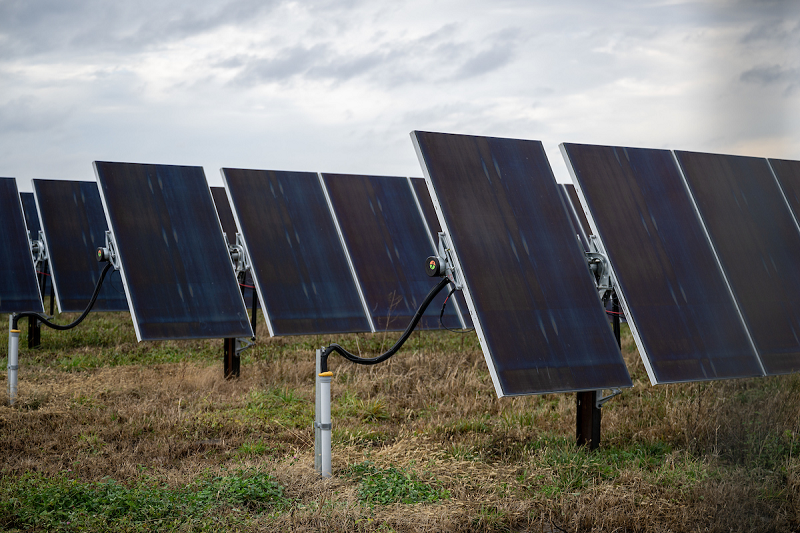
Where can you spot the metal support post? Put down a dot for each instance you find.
(615, 316)
(231, 361)
(13, 360)
(588, 419)
(317, 415)
(325, 423)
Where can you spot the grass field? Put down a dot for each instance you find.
(110, 434)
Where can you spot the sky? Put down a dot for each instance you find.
(337, 85)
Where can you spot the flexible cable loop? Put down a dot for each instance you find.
(403, 338)
(78, 320)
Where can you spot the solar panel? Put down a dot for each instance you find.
(758, 244)
(31, 214)
(178, 278)
(788, 175)
(74, 227)
(580, 224)
(536, 310)
(19, 288)
(680, 310)
(225, 215)
(301, 271)
(388, 243)
(423, 198)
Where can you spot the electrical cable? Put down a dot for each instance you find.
(353, 358)
(41, 318)
(441, 315)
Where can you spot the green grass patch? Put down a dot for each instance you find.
(61, 503)
(383, 486)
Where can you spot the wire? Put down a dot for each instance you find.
(43, 320)
(614, 313)
(441, 315)
(247, 286)
(403, 338)
(45, 273)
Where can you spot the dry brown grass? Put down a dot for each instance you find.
(695, 457)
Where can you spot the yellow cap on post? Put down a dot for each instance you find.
(326, 375)
(15, 331)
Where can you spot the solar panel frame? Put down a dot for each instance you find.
(275, 290)
(240, 325)
(522, 159)
(74, 278)
(749, 221)
(19, 277)
(419, 189)
(615, 185)
(388, 242)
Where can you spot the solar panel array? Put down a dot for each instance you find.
(74, 227)
(19, 288)
(300, 270)
(758, 244)
(177, 273)
(387, 241)
(538, 316)
(670, 285)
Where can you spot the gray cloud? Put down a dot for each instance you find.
(36, 27)
(437, 56)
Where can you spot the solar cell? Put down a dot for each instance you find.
(538, 317)
(299, 267)
(680, 310)
(74, 227)
(19, 288)
(758, 244)
(178, 277)
(388, 243)
(225, 215)
(422, 195)
(31, 214)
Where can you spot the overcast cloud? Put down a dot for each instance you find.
(337, 85)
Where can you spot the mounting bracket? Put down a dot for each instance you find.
(443, 265)
(109, 251)
(39, 250)
(600, 268)
(599, 402)
(239, 258)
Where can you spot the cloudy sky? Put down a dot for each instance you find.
(337, 85)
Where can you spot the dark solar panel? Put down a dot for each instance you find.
(540, 321)
(225, 215)
(388, 244)
(178, 277)
(577, 216)
(758, 244)
(19, 288)
(788, 175)
(74, 227)
(31, 214)
(301, 271)
(678, 305)
(429, 214)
